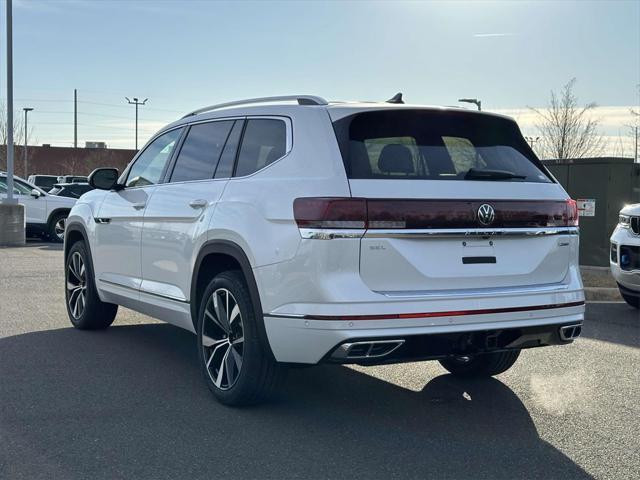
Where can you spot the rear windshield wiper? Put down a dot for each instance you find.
(478, 174)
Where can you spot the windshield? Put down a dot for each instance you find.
(436, 145)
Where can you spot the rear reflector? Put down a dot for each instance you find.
(452, 313)
(361, 213)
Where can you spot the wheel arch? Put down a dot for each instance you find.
(74, 233)
(214, 257)
(55, 212)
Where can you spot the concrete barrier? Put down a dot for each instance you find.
(12, 226)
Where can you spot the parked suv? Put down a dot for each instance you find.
(625, 254)
(71, 190)
(290, 230)
(44, 182)
(45, 214)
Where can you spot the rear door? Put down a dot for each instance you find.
(178, 213)
(455, 200)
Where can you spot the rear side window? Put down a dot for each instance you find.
(435, 145)
(200, 152)
(264, 141)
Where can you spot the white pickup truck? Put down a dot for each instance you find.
(45, 214)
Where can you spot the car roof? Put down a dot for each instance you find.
(289, 107)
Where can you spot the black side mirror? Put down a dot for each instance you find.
(104, 178)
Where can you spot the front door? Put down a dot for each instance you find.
(116, 254)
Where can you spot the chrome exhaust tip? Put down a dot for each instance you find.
(570, 332)
(364, 350)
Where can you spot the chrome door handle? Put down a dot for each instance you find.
(139, 206)
(198, 203)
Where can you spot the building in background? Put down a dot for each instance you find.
(48, 160)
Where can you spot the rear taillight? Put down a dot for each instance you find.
(327, 212)
(572, 213)
(361, 213)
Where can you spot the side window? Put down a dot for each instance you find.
(200, 152)
(264, 142)
(228, 158)
(149, 166)
(3, 185)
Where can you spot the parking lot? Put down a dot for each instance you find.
(129, 403)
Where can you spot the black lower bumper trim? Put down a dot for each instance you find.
(442, 345)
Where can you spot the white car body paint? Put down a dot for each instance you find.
(145, 251)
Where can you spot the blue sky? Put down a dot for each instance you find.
(185, 54)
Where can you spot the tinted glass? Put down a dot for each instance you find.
(45, 182)
(150, 165)
(433, 145)
(264, 142)
(201, 151)
(228, 158)
(21, 188)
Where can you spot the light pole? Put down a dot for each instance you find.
(26, 137)
(475, 101)
(9, 105)
(136, 103)
(532, 141)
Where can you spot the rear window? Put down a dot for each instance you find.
(434, 145)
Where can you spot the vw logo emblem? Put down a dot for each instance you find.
(486, 214)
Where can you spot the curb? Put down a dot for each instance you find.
(602, 293)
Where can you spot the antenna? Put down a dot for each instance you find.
(397, 98)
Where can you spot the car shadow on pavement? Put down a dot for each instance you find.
(129, 402)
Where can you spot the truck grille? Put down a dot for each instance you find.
(635, 225)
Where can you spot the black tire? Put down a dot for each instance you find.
(256, 376)
(88, 312)
(53, 227)
(631, 300)
(483, 365)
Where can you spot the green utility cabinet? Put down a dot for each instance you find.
(602, 186)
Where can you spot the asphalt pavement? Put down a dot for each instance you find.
(129, 402)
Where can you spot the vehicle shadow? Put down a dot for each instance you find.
(129, 402)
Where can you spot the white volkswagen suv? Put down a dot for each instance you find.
(290, 230)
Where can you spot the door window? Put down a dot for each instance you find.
(264, 141)
(151, 163)
(19, 188)
(199, 155)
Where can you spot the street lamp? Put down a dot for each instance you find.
(136, 103)
(532, 141)
(26, 136)
(475, 101)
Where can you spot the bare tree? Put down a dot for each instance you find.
(566, 129)
(634, 127)
(18, 138)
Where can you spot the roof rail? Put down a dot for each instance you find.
(301, 99)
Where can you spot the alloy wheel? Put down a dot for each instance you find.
(59, 228)
(76, 285)
(223, 339)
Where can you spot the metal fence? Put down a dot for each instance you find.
(602, 186)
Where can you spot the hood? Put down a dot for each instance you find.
(633, 209)
(61, 201)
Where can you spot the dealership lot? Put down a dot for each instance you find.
(129, 403)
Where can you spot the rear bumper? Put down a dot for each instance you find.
(307, 340)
